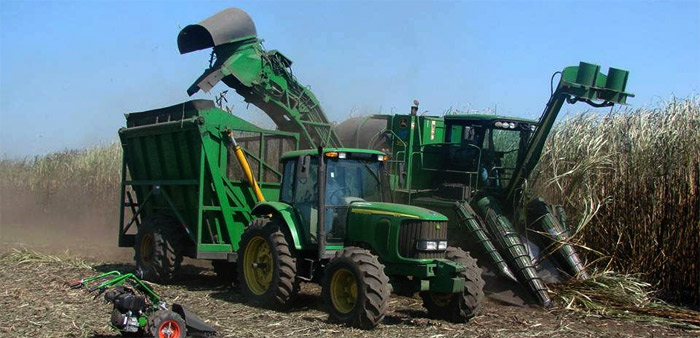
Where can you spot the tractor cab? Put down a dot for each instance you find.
(350, 175)
(488, 148)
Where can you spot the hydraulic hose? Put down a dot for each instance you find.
(246, 168)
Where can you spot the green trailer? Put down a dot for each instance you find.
(183, 191)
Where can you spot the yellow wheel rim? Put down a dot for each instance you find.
(147, 248)
(343, 290)
(258, 265)
(441, 299)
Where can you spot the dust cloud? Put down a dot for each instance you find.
(52, 225)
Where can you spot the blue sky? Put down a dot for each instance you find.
(69, 70)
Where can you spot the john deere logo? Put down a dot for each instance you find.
(437, 227)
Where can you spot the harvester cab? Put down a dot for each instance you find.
(333, 224)
(486, 147)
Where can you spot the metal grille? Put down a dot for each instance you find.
(411, 231)
(274, 147)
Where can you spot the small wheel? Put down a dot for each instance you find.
(158, 248)
(167, 324)
(225, 271)
(355, 288)
(266, 267)
(458, 307)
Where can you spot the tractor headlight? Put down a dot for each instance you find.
(430, 245)
(424, 245)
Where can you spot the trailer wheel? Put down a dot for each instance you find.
(266, 267)
(167, 324)
(355, 288)
(158, 248)
(456, 307)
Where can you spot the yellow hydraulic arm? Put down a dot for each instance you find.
(246, 168)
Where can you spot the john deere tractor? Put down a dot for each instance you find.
(332, 225)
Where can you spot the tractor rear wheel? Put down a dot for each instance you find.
(158, 248)
(355, 288)
(266, 266)
(167, 324)
(458, 307)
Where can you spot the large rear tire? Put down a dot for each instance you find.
(355, 288)
(266, 267)
(458, 307)
(158, 248)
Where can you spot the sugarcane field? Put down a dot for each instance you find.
(361, 169)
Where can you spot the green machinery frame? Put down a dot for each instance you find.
(178, 161)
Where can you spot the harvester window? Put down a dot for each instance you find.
(501, 155)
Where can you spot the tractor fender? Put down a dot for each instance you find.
(283, 211)
(192, 321)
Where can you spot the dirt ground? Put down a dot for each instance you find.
(36, 263)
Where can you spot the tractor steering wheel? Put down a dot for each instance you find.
(336, 197)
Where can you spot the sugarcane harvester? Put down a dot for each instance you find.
(474, 168)
(300, 209)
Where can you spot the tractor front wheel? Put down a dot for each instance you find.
(158, 248)
(355, 288)
(167, 324)
(266, 267)
(458, 307)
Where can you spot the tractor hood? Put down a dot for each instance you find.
(395, 210)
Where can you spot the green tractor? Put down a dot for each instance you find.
(333, 225)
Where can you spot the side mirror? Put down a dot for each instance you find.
(303, 165)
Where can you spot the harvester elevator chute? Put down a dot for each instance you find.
(263, 78)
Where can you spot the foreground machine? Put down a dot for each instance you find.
(474, 169)
(138, 310)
